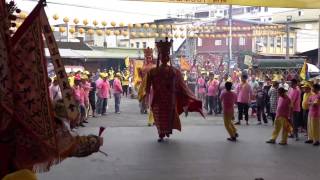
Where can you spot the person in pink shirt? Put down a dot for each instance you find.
(282, 118)
(201, 85)
(229, 99)
(79, 95)
(295, 96)
(314, 117)
(86, 87)
(117, 91)
(103, 93)
(213, 88)
(244, 93)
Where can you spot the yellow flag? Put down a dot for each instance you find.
(127, 61)
(303, 72)
(305, 4)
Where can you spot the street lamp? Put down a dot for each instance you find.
(289, 19)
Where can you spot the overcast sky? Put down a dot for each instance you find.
(113, 10)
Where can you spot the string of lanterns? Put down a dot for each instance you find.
(165, 30)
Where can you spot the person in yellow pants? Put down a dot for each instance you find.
(228, 99)
(282, 118)
(314, 117)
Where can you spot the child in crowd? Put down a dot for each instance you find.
(261, 99)
(228, 99)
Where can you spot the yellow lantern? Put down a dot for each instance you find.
(207, 35)
(168, 26)
(72, 30)
(141, 34)
(249, 35)
(181, 29)
(130, 26)
(76, 21)
(104, 23)
(170, 35)
(95, 22)
(117, 32)
(55, 16)
(176, 36)
(205, 28)
(188, 28)
(90, 31)
(218, 28)
(133, 34)
(85, 22)
(149, 35)
(212, 36)
(182, 36)
(125, 33)
(218, 35)
(195, 35)
(66, 19)
(174, 27)
(62, 29)
(201, 35)
(146, 26)
(163, 35)
(81, 30)
(99, 32)
(156, 34)
(193, 28)
(121, 24)
(154, 26)
(161, 26)
(108, 32)
(138, 25)
(113, 24)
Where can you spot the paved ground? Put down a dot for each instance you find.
(199, 152)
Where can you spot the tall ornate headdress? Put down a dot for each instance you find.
(164, 48)
(148, 52)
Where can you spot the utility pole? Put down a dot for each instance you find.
(230, 37)
(289, 18)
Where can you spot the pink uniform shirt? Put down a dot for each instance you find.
(283, 108)
(103, 89)
(295, 97)
(117, 88)
(201, 86)
(244, 93)
(228, 99)
(79, 95)
(314, 109)
(213, 88)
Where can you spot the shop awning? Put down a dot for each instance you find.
(278, 63)
(305, 4)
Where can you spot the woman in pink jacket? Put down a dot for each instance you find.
(117, 91)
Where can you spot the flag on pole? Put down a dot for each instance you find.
(184, 65)
(35, 135)
(304, 72)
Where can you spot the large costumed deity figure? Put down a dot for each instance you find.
(171, 96)
(144, 97)
(34, 133)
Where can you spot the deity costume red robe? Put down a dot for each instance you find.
(171, 97)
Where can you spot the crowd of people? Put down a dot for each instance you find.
(92, 91)
(292, 106)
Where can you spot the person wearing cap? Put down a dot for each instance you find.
(55, 92)
(79, 95)
(314, 117)
(213, 86)
(282, 118)
(274, 96)
(261, 97)
(111, 76)
(295, 96)
(244, 93)
(86, 87)
(125, 82)
(117, 91)
(305, 105)
(103, 93)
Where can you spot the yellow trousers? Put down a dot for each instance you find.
(227, 118)
(150, 118)
(310, 136)
(281, 123)
(315, 129)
